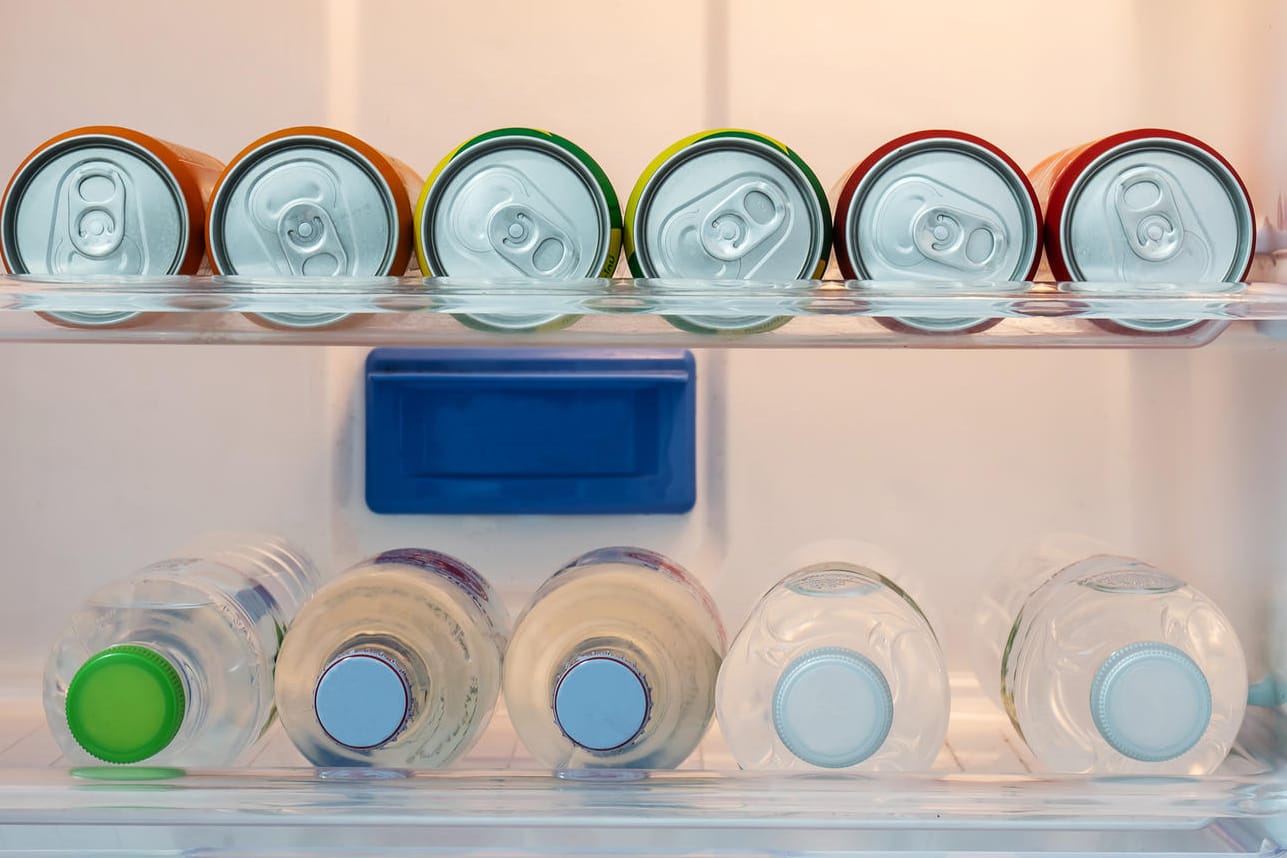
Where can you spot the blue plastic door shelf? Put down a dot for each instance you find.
(530, 431)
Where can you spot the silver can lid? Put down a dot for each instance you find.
(304, 206)
(94, 205)
(516, 206)
(729, 208)
(942, 208)
(1157, 210)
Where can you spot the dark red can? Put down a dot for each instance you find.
(938, 206)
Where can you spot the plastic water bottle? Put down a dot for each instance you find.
(836, 667)
(174, 665)
(614, 663)
(1108, 665)
(395, 663)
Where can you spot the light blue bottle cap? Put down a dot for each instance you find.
(1150, 701)
(832, 707)
(601, 703)
(362, 700)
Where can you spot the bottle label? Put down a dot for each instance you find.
(463, 576)
(1142, 580)
(655, 562)
(830, 580)
(256, 603)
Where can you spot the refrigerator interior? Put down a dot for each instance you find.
(119, 448)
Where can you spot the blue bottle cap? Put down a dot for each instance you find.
(362, 699)
(832, 707)
(1150, 701)
(601, 702)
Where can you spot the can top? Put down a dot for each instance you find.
(1150, 206)
(1150, 701)
(304, 204)
(728, 205)
(362, 699)
(601, 702)
(125, 704)
(938, 206)
(518, 203)
(832, 707)
(94, 204)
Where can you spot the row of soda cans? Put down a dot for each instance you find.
(1149, 205)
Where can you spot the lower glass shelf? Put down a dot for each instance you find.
(983, 797)
(445, 311)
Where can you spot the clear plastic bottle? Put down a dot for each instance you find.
(614, 663)
(836, 667)
(174, 665)
(395, 663)
(1108, 665)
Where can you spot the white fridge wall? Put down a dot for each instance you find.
(117, 455)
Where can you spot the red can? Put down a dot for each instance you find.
(937, 206)
(1145, 206)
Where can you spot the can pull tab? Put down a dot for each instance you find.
(1150, 215)
(94, 196)
(309, 240)
(531, 242)
(743, 220)
(958, 238)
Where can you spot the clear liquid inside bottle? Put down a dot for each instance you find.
(174, 665)
(1110, 665)
(395, 663)
(614, 663)
(836, 667)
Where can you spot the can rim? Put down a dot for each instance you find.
(683, 150)
(1072, 177)
(592, 177)
(363, 155)
(854, 190)
(187, 196)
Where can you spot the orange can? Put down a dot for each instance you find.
(312, 202)
(106, 201)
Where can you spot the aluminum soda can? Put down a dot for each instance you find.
(106, 201)
(937, 206)
(728, 204)
(311, 202)
(1145, 206)
(518, 203)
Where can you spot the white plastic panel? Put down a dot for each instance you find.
(113, 456)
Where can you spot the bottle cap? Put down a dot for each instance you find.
(601, 702)
(125, 704)
(1150, 701)
(832, 707)
(362, 699)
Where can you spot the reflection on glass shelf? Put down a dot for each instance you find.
(449, 311)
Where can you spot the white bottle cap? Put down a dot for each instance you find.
(362, 700)
(832, 707)
(1150, 701)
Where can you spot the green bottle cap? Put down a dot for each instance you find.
(125, 704)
